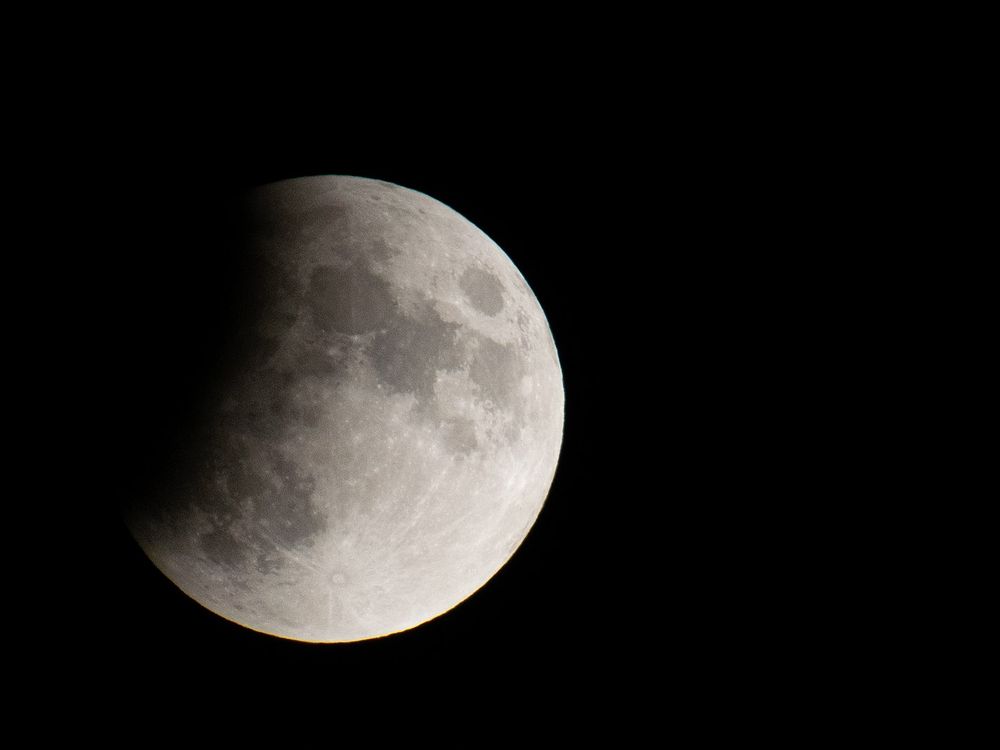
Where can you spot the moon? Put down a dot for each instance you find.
(383, 427)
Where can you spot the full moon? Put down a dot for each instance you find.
(383, 427)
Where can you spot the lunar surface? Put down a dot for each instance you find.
(384, 427)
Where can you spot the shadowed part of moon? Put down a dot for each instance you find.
(382, 432)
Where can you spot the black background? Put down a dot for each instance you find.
(142, 266)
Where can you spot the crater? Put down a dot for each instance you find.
(350, 300)
(483, 290)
